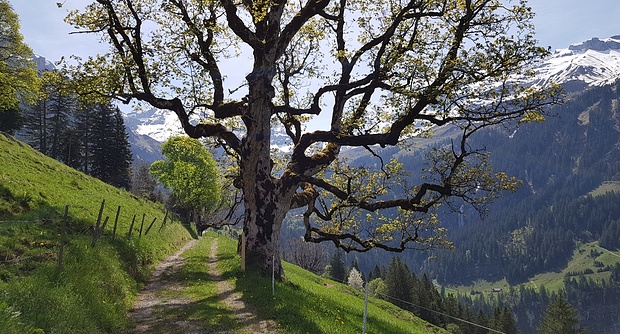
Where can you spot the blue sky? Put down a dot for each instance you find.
(559, 23)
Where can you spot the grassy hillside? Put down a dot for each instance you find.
(302, 303)
(583, 262)
(90, 293)
(96, 285)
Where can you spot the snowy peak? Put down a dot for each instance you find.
(43, 64)
(595, 44)
(595, 62)
(156, 123)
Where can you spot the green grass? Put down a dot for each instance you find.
(607, 186)
(554, 281)
(96, 285)
(196, 284)
(306, 303)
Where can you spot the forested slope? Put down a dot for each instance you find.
(570, 168)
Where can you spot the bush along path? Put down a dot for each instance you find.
(187, 293)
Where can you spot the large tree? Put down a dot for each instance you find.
(376, 72)
(18, 73)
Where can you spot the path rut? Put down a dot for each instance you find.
(146, 314)
(245, 315)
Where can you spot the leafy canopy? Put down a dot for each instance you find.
(190, 172)
(379, 72)
(18, 75)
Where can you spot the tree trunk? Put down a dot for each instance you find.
(266, 198)
(263, 242)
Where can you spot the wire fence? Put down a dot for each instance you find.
(394, 299)
(381, 295)
(65, 232)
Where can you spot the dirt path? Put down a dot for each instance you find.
(146, 310)
(245, 315)
(149, 308)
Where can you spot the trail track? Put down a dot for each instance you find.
(149, 308)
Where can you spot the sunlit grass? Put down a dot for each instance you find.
(554, 280)
(196, 284)
(306, 303)
(96, 285)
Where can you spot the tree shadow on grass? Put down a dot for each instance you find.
(200, 316)
(192, 232)
(256, 292)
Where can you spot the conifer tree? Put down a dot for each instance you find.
(48, 121)
(399, 284)
(109, 153)
(10, 120)
(119, 163)
(507, 323)
(338, 271)
(560, 317)
(376, 272)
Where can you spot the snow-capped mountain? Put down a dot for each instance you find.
(595, 62)
(43, 64)
(155, 123)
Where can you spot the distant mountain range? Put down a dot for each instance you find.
(594, 62)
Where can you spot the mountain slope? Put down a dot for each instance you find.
(595, 62)
(570, 168)
(53, 275)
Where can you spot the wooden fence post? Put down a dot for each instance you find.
(149, 228)
(142, 225)
(163, 222)
(100, 213)
(97, 229)
(131, 227)
(61, 251)
(116, 222)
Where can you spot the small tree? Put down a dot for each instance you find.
(377, 288)
(560, 317)
(309, 256)
(19, 82)
(355, 279)
(190, 173)
(143, 184)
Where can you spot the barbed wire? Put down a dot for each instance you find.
(24, 221)
(63, 238)
(19, 259)
(422, 307)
